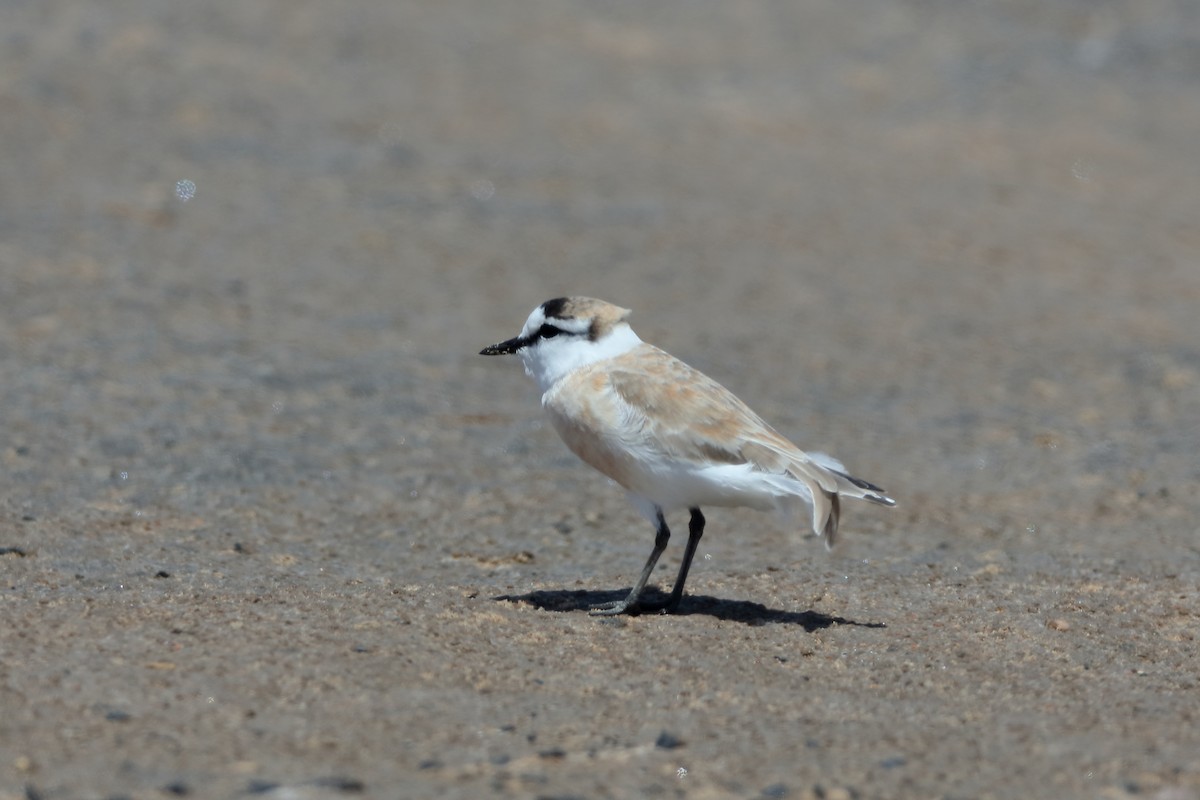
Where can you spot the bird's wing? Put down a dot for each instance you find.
(649, 402)
(684, 414)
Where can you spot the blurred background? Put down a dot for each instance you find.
(959, 238)
(249, 251)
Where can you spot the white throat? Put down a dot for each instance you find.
(550, 360)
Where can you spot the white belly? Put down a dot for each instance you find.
(677, 485)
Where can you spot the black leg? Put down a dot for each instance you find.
(695, 531)
(661, 536)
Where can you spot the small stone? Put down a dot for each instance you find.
(668, 741)
(340, 783)
(261, 787)
(1058, 625)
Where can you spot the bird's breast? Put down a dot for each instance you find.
(587, 416)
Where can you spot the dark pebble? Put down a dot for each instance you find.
(340, 783)
(177, 788)
(776, 790)
(261, 787)
(668, 741)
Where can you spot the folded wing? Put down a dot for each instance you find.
(687, 416)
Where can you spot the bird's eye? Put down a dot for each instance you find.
(548, 332)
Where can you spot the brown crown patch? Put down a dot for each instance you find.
(601, 315)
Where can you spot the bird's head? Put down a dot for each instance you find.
(566, 333)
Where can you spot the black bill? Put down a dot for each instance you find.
(504, 348)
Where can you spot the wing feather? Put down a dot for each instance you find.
(689, 416)
(683, 414)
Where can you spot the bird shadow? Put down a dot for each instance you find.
(743, 611)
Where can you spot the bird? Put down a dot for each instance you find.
(671, 436)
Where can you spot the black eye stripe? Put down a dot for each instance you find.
(548, 331)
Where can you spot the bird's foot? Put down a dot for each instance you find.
(613, 609)
(634, 606)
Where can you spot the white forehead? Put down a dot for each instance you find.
(536, 320)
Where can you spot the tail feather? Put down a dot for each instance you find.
(869, 490)
(828, 485)
(831, 524)
(817, 478)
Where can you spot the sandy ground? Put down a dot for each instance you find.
(270, 526)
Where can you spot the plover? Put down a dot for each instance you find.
(670, 435)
